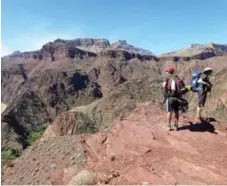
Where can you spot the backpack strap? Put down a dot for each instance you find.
(168, 84)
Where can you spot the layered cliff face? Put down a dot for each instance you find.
(58, 51)
(90, 48)
(126, 55)
(87, 44)
(78, 48)
(50, 52)
(99, 45)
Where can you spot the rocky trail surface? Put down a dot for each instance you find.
(136, 151)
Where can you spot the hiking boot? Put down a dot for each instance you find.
(199, 120)
(176, 127)
(167, 128)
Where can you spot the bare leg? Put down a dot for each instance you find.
(176, 120)
(202, 100)
(199, 110)
(169, 118)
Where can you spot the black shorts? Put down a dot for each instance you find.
(172, 105)
(202, 96)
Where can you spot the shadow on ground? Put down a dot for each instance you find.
(204, 126)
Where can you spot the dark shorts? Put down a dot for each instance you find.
(172, 105)
(202, 96)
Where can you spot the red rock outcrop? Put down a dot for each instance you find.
(139, 146)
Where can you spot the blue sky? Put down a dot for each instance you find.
(157, 25)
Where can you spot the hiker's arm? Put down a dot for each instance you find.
(203, 82)
(209, 82)
(164, 84)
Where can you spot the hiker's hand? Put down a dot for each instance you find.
(188, 87)
(209, 85)
(163, 84)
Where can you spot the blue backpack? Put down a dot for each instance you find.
(193, 82)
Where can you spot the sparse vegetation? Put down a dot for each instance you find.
(35, 134)
(9, 155)
(86, 178)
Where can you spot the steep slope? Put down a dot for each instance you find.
(27, 113)
(100, 115)
(39, 100)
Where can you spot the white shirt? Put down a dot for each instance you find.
(173, 85)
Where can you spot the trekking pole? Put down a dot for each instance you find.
(210, 93)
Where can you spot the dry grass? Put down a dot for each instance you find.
(86, 178)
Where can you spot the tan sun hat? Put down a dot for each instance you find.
(207, 69)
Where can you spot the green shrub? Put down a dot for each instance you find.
(35, 134)
(9, 155)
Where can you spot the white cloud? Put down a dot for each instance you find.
(5, 50)
(34, 38)
(38, 39)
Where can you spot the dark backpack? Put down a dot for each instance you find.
(183, 103)
(180, 87)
